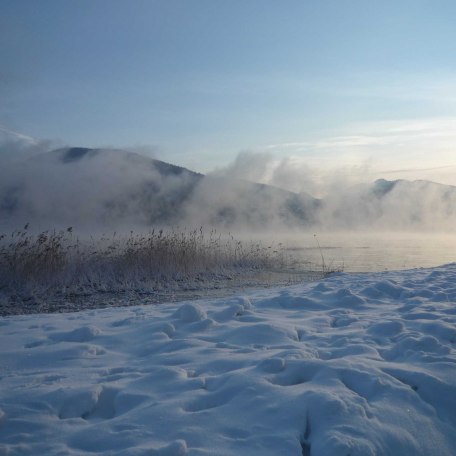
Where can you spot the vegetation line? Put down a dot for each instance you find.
(56, 271)
(161, 258)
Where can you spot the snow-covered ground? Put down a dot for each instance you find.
(352, 365)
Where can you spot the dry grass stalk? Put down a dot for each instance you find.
(59, 260)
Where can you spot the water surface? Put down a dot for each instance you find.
(368, 252)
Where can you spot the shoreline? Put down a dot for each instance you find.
(219, 287)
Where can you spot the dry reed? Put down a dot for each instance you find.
(59, 260)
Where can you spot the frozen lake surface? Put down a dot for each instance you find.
(356, 364)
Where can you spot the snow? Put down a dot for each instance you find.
(353, 365)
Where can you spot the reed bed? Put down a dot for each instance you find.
(60, 261)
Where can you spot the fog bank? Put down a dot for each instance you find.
(113, 189)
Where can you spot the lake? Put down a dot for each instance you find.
(369, 252)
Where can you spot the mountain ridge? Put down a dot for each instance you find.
(112, 187)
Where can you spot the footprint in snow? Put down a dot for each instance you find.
(95, 403)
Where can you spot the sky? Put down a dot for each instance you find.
(367, 87)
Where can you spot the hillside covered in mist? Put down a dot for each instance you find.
(115, 189)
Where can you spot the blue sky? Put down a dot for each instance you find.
(341, 83)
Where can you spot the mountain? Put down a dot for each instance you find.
(81, 187)
(226, 202)
(398, 204)
(80, 154)
(115, 189)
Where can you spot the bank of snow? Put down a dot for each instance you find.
(353, 365)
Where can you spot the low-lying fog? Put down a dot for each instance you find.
(366, 251)
(360, 225)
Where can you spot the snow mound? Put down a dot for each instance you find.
(357, 365)
(82, 334)
(190, 313)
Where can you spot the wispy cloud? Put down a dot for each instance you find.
(16, 146)
(399, 138)
(404, 148)
(439, 88)
(9, 134)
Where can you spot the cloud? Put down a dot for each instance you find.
(114, 189)
(351, 199)
(15, 146)
(89, 188)
(250, 166)
(6, 133)
(423, 148)
(391, 205)
(369, 134)
(410, 87)
(293, 173)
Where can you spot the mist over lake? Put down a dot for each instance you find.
(372, 251)
(112, 190)
(378, 226)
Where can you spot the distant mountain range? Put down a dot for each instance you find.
(398, 204)
(112, 188)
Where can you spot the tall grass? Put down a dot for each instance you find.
(59, 260)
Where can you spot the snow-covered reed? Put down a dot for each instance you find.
(59, 260)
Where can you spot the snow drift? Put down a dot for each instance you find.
(356, 365)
